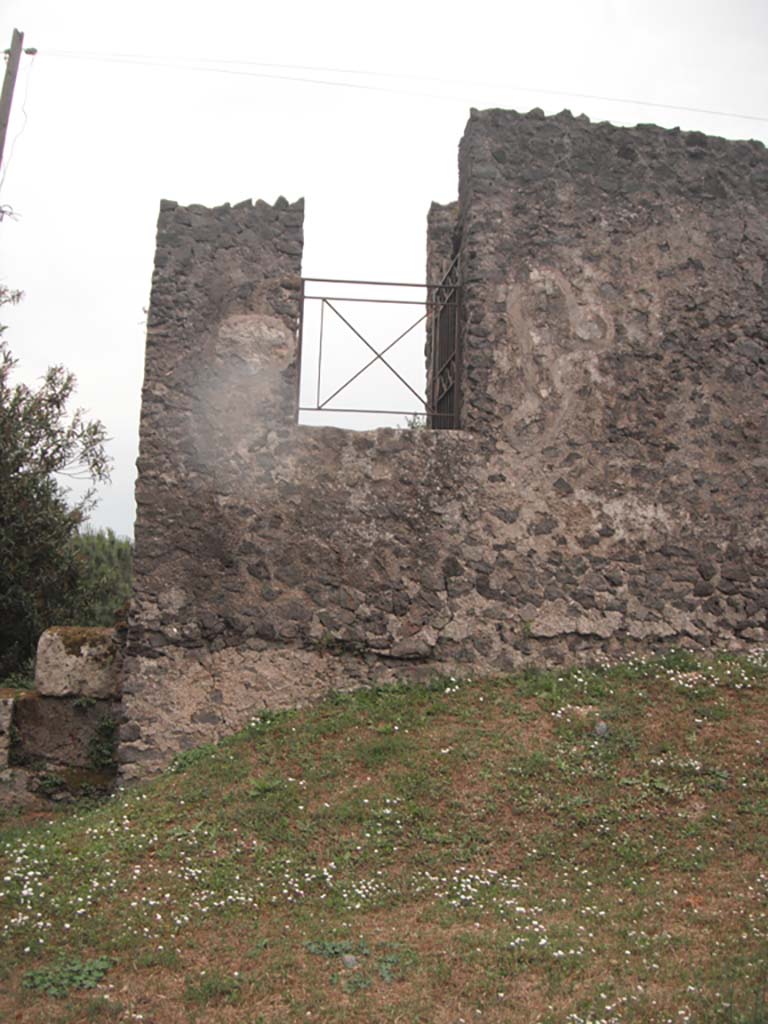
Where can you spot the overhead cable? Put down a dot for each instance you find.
(214, 65)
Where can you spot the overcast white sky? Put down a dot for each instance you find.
(95, 144)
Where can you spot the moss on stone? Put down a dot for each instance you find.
(26, 695)
(74, 638)
(78, 780)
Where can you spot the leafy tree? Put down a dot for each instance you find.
(103, 562)
(40, 441)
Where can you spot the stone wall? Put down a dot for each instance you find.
(59, 738)
(615, 283)
(607, 490)
(443, 240)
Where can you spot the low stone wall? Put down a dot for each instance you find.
(64, 729)
(69, 732)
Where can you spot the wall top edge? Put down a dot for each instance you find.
(280, 204)
(498, 116)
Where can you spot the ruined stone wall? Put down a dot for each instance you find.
(615, 283)
(59, 738)
(443, 243)
(607, 490)
(443, 239)
(617, 339)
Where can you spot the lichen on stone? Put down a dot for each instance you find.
(74, 638)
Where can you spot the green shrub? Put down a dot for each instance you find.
(103, 577)
(41, 439)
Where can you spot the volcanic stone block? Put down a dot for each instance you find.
(77, 662)
(76, 731)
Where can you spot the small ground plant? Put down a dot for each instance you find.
(60, 978)
(211, 988)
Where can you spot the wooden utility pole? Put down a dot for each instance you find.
(14, 55)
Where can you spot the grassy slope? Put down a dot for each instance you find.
(474, 846)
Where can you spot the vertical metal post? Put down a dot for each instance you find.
(320, 351)
(299, 352)
(432, 372)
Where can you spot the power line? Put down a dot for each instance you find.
(151, 62)
(209, 64)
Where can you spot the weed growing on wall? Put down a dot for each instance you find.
(101, 746)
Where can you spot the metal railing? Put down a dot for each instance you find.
(444, 353)
(438, 309)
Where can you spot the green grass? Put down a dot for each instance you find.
(464, 849)
(213, 987)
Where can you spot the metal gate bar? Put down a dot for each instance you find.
(443, 380)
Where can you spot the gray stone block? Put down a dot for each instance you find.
(77, 662)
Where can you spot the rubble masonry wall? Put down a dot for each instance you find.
(607, 490)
